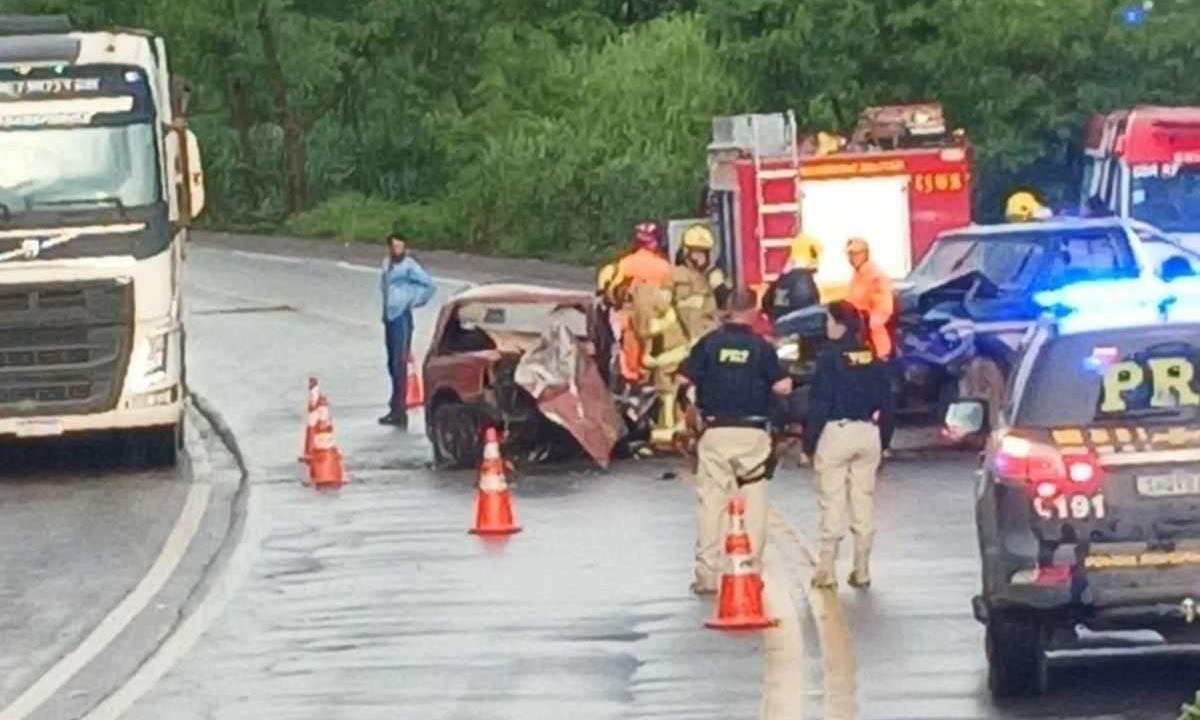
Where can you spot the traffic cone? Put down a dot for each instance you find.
(740, 597)
(416, 389)
(310, 426)
(325, 463)
(493, 506)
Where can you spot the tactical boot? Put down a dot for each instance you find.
(861, 577)
(825, 577)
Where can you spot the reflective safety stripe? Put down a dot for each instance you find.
(674, 356)
(660, 324)
(694, 302)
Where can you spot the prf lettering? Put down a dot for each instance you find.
(734, 356)
(1169, 379)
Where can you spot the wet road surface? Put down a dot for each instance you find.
(372, 602)
(78, 530)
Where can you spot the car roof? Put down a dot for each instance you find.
(520, 293)
(1055, 225)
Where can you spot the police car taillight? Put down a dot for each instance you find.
(1045, 470)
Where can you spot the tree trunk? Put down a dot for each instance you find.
(294, 161)
(240, 120)
(295, 131)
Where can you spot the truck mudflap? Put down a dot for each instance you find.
(568, 388)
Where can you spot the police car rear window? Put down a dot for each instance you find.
(1148, 375)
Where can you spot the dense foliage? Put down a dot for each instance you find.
(547, 127)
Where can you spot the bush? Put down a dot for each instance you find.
(357, 218)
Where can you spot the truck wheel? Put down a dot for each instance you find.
(1017, 663)
(156, 447)
(456, 435)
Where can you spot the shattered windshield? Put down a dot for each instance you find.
(1169, 202)
(1007, 263)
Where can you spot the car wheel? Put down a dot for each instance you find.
(456, 435)
(1017, 663)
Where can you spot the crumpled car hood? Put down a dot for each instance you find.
(570, 392)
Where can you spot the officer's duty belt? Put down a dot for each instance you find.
(756, 423)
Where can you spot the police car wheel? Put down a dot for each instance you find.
(1017, 663)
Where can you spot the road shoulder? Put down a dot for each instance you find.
(216, 473)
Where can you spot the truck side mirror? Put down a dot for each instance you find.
(965, 418)
(195, 176)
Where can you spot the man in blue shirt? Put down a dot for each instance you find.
(405, 285)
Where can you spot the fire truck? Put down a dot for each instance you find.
(1144, 164)
(898, 181)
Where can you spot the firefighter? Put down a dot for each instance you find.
(796, 288)
(871, 293)
(664, 346)
(732, 375)
(849, 425)
(1024, 207)
(607, 337)
(695, 284)
(646, 261)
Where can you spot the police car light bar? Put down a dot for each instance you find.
(1101, 304)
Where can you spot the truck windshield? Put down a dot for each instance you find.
(82, 166)
(1141, 375)
(1005, 261)
(1169, 203)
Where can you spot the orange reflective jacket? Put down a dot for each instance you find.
(871, 293)
(646, 265)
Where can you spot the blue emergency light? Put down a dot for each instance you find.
(1124, 302)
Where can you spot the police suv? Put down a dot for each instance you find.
(1088, 503)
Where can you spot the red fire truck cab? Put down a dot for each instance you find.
(898, 181)
(1144, 164)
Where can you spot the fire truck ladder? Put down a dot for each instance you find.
(764, 175)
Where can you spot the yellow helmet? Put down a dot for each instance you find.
(604, 279)
(1023, 207)
(805, 252)
(698, 237)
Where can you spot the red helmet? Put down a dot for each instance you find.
(648, 235)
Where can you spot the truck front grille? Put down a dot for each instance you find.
(64, 347)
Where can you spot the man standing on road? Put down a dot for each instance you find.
(872, 294)
(405, 285)
(735, 373)
(849, 424)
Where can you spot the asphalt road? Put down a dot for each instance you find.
(77, 532)
(373, 602)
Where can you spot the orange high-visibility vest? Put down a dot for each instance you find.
(871, 293)
(645, 265)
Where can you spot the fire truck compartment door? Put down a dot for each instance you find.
(877, 209)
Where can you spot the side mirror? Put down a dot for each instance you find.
(195, 176)
(965, 418)
(1174, 267)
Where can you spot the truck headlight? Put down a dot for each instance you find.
(148, 366)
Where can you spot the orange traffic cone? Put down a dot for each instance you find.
(325, 463)
(416, 389)
(739, 600)
(493, 506)
(310, 427)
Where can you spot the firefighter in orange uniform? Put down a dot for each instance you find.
(646, 262)
(872, 294)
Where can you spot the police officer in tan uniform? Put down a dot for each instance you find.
(849, 425)
(735, 373)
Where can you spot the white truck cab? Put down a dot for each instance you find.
(99, 182)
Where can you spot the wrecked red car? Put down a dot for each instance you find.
(520, 358)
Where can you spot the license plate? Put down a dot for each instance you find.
(39, 428)
(1170, 485)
